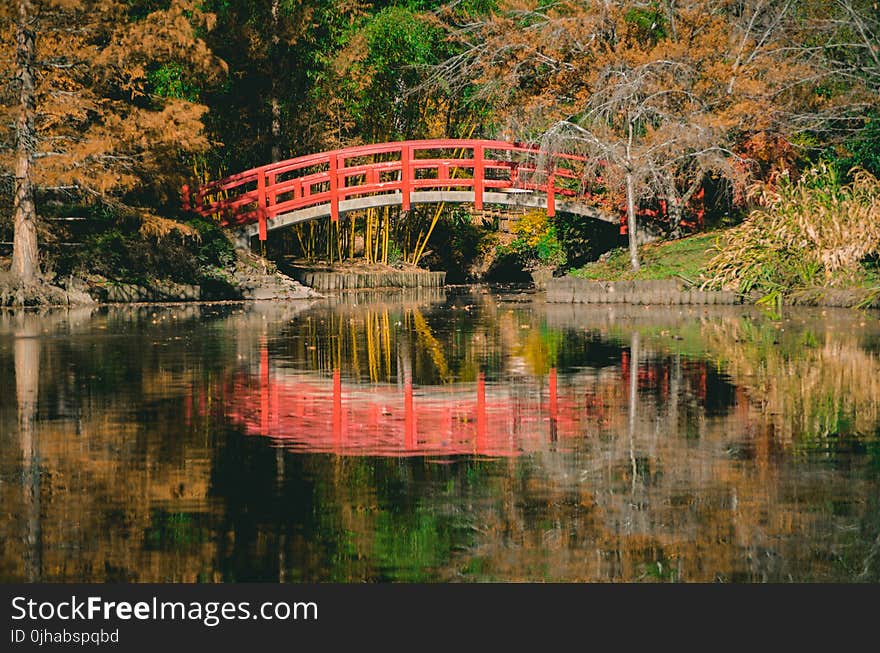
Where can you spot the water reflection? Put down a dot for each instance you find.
(448, 436)
(27, 374)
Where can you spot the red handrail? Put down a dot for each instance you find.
(262, 193)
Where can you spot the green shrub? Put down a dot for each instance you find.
(537, 242)
(214, 247)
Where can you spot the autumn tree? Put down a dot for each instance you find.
(99, 109)
(24, 256)
(657, 96)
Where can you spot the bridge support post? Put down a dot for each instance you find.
(406, 154)
(334, 187)
(261, 204)
(479, 176)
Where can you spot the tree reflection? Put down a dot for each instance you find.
(27, 392)
(637, 445)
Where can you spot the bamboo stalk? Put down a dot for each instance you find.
(339, 337)
(386, 341)
(418, 254)
(367, 235)
(297, 229)
(421, 248)
(387, 231)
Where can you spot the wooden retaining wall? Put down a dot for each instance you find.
(570, 290)
(330, 280)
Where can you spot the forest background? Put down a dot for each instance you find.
(108, 107)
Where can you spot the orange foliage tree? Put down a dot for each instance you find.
(657, 96)
(102, 108)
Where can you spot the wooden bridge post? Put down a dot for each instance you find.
(406, 156)
(261, 204)
(334, 187)
(551, 193)
(479, 176)
(271, 193)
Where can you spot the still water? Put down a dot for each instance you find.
(465, 435)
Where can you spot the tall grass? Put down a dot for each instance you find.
(814, 232)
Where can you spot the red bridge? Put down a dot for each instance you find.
(404, 173)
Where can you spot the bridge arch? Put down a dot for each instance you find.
(403, 173)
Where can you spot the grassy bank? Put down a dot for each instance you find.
(685, 258)
(688, 259)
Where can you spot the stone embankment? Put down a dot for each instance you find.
(571, 290)
(246, 280)
(246, 283)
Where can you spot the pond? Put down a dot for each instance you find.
(466, 434)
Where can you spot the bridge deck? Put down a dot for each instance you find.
(425, 197)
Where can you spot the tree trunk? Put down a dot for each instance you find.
(673, 209)
(276, 126)
(631, 226)
(676, 203)
(24, 250)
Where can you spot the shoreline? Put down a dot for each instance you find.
(673, 292)
(557, 291)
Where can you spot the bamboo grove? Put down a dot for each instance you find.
(379, 236)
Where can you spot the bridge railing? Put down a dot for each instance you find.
(263, 193)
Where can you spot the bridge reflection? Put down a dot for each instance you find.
(311, 412)
(394, 381)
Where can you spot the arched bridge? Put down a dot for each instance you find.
(403, 173)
